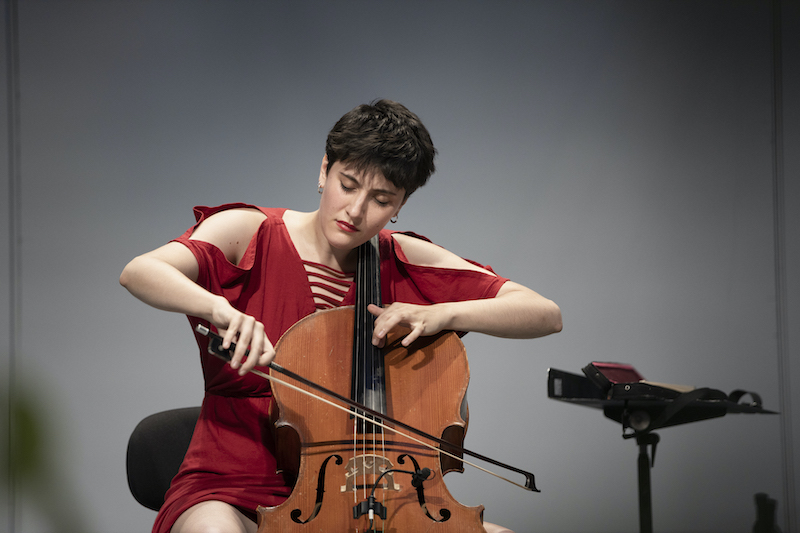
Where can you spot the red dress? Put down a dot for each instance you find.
(231, 458)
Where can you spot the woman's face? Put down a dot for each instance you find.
(355, 206)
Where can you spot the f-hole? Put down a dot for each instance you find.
(295, 514)
(444, 513)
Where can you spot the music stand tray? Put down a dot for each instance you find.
(642, 406)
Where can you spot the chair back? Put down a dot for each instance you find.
(155, 452)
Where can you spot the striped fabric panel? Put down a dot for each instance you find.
(329, 286)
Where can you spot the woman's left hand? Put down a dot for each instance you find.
(423, 320)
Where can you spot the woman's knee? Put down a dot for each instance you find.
(494, 528)
(213, 517)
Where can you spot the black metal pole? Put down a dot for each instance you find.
(644, 463)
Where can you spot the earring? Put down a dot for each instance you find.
(393, 220)
(320, 189)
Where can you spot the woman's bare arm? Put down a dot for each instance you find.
(515, 312)
(165, 278)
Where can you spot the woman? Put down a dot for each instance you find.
(252, 272)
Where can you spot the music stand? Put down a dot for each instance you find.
(642, 407)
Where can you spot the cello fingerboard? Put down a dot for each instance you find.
(367, 383)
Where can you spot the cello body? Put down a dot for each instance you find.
(337, 459)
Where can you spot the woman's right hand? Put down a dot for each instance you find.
(248, 334)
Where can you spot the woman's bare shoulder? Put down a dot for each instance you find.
(425, 253)
(230, 230)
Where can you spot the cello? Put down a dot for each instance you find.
(350, 475)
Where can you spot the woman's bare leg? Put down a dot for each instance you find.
(218, 517)
(213, 517)
(494, 528)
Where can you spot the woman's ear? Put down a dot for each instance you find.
(397, 212)
(323, 172)
(400, 206)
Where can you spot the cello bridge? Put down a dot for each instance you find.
(362, 471)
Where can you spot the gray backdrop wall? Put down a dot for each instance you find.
(615, 156)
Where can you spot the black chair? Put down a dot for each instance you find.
(155, 452)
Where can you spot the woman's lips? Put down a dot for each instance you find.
(346, 227)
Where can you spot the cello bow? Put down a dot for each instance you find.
(361, 411)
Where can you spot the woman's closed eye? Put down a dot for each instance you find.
(377, 199)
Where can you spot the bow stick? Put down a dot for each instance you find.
(215, 348)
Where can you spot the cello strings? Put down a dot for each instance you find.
(369, 352)
(375, 289)
(367, 284)
(359, 377)
(362, 286)
(365, 363)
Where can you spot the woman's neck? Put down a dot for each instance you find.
(310, 242)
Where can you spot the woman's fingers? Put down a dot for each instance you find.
(421, 319)
(253, 347)
(261, 350)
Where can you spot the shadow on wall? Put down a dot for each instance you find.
(29, 468)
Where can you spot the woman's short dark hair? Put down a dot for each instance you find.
(384, 136)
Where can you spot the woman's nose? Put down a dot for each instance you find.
(356, 207)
